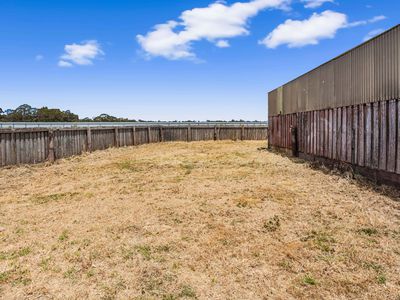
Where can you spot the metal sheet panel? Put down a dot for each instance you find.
(365, 74)
(272, 103)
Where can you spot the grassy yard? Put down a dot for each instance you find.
(206, 220)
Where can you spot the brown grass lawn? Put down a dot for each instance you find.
(206, 220)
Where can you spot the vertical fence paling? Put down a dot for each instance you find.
(30, 146)
(365, 135)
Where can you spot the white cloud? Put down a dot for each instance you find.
(173, 40)
(64, 64)
(296, 33)
(372, 34)
(366, 22)
(307, 32)
(315, 3)
(377, 19)
(80, 54)
(222, 44)
(39, 57)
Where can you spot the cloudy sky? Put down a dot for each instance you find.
(175, 59)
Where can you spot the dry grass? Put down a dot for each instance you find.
(195, 221)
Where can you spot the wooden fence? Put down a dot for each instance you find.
(364, 136)
(35, 145)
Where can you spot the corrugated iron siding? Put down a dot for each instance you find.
(368, 73)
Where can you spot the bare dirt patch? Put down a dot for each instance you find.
(207, 220)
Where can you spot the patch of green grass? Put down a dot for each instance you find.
(188, 167)
(4, 276)
(23, 252)
(272, 224)
(127, 253)
(368, 231)
(39, 199)
(286, 265)
(309, 280)
(374, 266)
(15, 254)
(19, 231)
(381, 279)
(71, 273)
(45, 264)
(128, 165)
(144, 250)
(90, 273)
(187, 291)
(15, 276)
(21, 280)
(322, 240)
(64, 236)
(379, 269)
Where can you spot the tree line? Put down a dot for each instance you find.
(27, 113)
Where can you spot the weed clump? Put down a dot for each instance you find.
(309, 280)
(321, 240)
(272, 224)
(368, 231)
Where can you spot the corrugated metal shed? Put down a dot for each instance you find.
(368, 73)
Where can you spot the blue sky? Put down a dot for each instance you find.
(203, 62)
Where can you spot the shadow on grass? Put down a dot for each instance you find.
(346, 172)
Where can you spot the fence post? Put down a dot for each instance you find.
(148, 134)
(242, 133)
(116, 137)
(89, 139)
(353, 146)
(295, 151)
(52, 157)
(215, 133)
(189, 134)
(133, 136)
(13, 147)
(161, 134)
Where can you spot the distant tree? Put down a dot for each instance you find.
(108, 118)
(23, 113)
(8, 111)
(45, 114)
(26, 113)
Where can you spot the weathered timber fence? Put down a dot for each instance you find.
(364, 136)
(35, 145)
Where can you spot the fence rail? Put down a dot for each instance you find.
(36, 145)
(123, 124)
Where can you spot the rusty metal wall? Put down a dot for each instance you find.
(365, 74)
